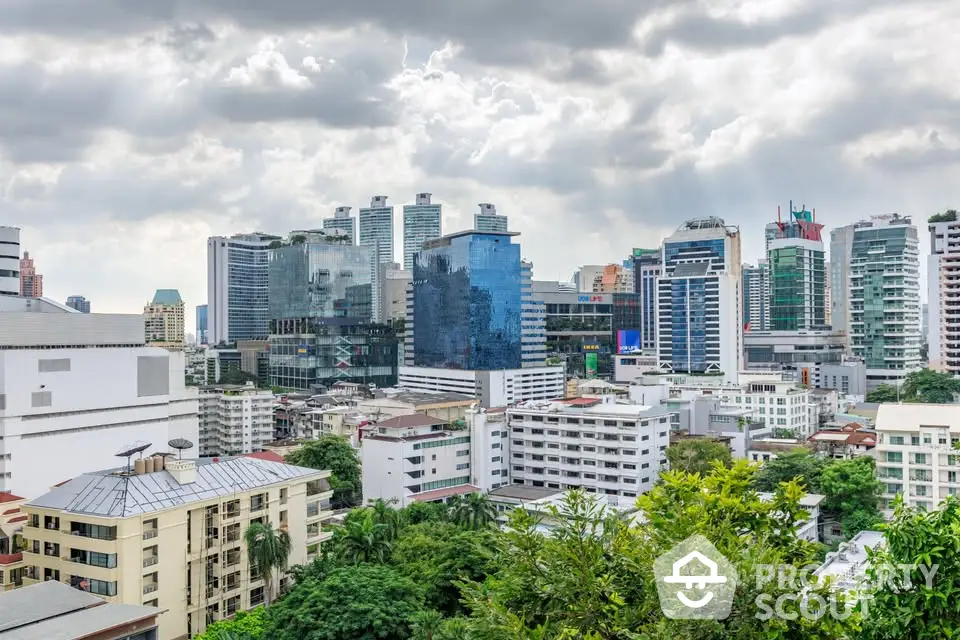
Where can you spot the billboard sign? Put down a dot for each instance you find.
(628, 341)
(590, 360)
(593, 298)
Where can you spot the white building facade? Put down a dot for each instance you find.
(491, 388)
(533, 321)
(235, 420)
(943, 296)
(9, 261)
(238, 285)
(376, 232)
(841, 252)
(488, 219)
(77, 388)
(422, 221)
(342, 221)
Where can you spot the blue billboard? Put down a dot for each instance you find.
(628, 341)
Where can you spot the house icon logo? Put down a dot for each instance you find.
(695, 581)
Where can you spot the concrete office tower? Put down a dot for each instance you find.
(164, 319)
(828, 295)
(393, 287)
(533, 328)
(9, 261)
(771, 231)
(841, 253)
(31, 282)
(756, 297)
(421, 222)
(86, 385)
(700, 309)
(489, 220)
(238, 287)
(468, 302)
(376, 232)
(647, 264)
(203, 333)
(344, 222)
(943, 293)
(885, 298)
(79, 303)
(797, 276)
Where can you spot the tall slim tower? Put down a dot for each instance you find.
(797, 276)
(841, 253)
(344, 222)
(9, 261)
(489, 220)
(31, 282)
(421, 222)
(700, 308)
(943, 293)
(756, 297)
(376, 232)
(163, 319)
(533, 321)
(238, 301)
(647, 265)
(885, 298)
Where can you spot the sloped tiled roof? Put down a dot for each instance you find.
(410, 421)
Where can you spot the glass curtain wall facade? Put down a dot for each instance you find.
(238, 287)
(798, 291)
(467, 303)
(646, 271)
(579, 324)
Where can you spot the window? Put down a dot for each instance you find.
(102, 588)
(96, 531)
(896, 439)
(449, 442)
(258, 502)
(463, 453)
(463, 466)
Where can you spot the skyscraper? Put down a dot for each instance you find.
(468, 302)
(344, 222)
(238, 287)
(79, 303)
(533, 318)
(321, 299)
(797, 276)
(376, 232)
(421, 222)
(31, 282)
(203, 333)
(163, 319)
(700, 310)
(9, 261)
(841, 253)
(885, 298)
(756, 297)
(489, 220)
(647, 264)
(943, 299)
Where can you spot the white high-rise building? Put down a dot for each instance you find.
(9, 261)
(344, 222)
(488, 219)
(699, 305)
(943, 294)
(77, 388)
(498, 388)
(238, 287)
(376, 232)
(885, 298)
(235, 419)
(421, 222)
(841, 253)
(756, 297)
(533, 321)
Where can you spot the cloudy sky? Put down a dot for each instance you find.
(132, 130)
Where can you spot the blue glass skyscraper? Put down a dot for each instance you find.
(202, 335)
(468, 302)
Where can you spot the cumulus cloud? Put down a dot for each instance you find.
(129, 131)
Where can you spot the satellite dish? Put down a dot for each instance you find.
(180, 444)
(137, 447)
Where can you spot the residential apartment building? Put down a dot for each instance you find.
(376, 233)
(943, 294)
(79, 303)
(235, 419)
(421, 222)
(797, 276)
(238, 286)
(11, 526)
(885, 298)
(916, 453)
(608, 278)
(9, 261)
(700, 308)
(533, 330)
(75, 388)
(605, 448)
(321, 312)
(342, 221)
(777, 404)
(164, 319)
(488, 220)
(31, 282)
(756, 297)
(491, 388)
(168, 533)
(841, 255)
(647, 264)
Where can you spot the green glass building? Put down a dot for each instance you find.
(798, 294)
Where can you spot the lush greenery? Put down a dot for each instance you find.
(950, 215)
(245, 625)
(925, 385)
(697, 455)
(333, 453)
(268, 550)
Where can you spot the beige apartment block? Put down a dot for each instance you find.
(169, 533)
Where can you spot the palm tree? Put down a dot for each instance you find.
(474, 511)
(364, 541)
(268, 549)
(383, 513)
(426, 625)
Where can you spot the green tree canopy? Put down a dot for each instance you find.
(697, 455)
(333, 453)
(925, 385)
(799, 464)
(473, 511)
(245, 625)
(852, 493)
(950, 215)
(364, 602)
(362, 539)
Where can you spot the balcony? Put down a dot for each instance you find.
(150, 561)
(150, 588)
(150, 534)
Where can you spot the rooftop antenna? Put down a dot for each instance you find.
(180, 444)
(127, 452)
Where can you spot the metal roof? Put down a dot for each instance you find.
(113, 494)
(41, 601)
